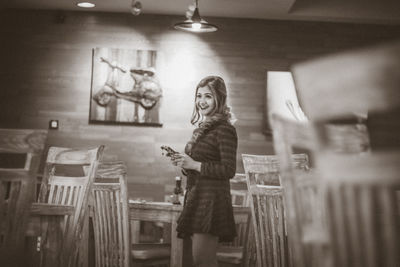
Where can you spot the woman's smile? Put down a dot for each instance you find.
(203, 106)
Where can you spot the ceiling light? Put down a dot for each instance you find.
(85, 4)
(195, 23)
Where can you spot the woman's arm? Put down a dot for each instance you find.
(223, 169)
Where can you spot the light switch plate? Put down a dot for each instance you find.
(53, 124)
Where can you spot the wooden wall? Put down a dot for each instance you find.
(45, 74)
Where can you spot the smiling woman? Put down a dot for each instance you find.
(210, 91)
(209, 162)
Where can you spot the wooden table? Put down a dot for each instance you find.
(169, 213)
(160, 212)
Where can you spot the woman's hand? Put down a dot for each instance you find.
(185, 162)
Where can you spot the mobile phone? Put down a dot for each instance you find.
(169, 152)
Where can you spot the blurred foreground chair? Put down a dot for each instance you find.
(308, 237)
(68, 178)
(359, 83)
(113, 244)
(334, 221)
(267, 207)
(20, 153)
(362, 202)
(344, 212)
(307, 234)
(332, 90)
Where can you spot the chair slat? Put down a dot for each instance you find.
(352, 200)
(390, 224)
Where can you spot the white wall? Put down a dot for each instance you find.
(282, 97)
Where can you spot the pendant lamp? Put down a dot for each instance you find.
(195, 23)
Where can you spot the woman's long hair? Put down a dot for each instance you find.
(221, 110)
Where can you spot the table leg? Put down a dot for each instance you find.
(176, 246)
(181, 249)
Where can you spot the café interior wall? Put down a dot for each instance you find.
(47, 64)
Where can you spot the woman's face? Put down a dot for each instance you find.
(205, 101)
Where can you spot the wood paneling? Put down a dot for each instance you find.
(46, 74)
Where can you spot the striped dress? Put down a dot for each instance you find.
(208, 203)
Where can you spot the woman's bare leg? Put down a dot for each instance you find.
(204, 248)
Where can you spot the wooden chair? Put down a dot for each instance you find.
(240, 252)
(333, 92)
(268, 208)
(307, 234)
(362, 201)
(113, 243)
(332, 89)
(360, 81)
(20, 152)
(67, 179)
(110, 216)
(325, 213)
(309, 239)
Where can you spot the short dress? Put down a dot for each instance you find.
(208, 203)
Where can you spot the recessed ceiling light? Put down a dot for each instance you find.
(85, 4)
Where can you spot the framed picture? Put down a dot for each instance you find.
(125, 88)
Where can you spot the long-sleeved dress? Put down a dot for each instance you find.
(208, 203)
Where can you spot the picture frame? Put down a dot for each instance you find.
(125, 89)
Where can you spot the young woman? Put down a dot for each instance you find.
(209, 162)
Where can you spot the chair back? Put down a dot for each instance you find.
(267, 207)
(340, 94)
(362, 203)
(349, 83)
(359, 83)
(308, 237)
(67, 180)
(239, 192)
(110, 216)
(20, 153)
(240, 197)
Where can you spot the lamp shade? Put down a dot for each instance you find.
(196, 24)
